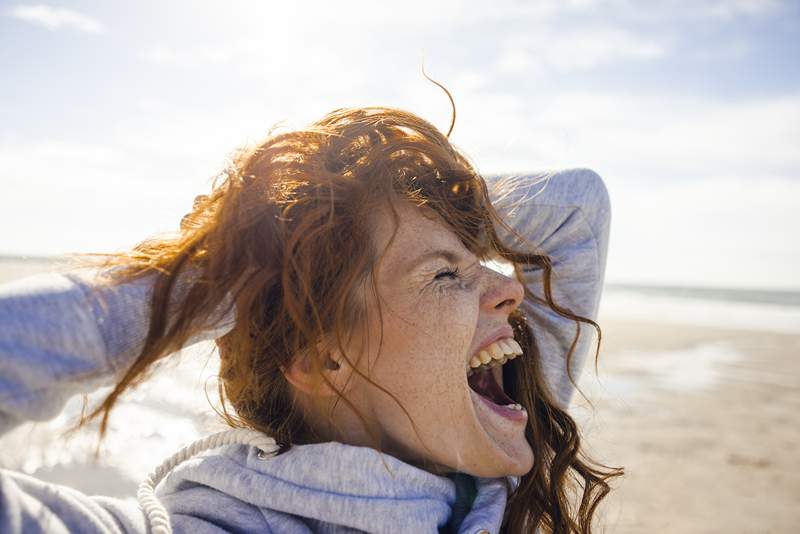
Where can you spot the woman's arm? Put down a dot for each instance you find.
(63, 334)
(567, 217)
(30, 506)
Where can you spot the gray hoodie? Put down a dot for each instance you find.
(57, 339)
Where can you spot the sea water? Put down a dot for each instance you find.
(737, 309)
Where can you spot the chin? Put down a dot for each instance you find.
(520, 469)
(498, 464)
(505, 466)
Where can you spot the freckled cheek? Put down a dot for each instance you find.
(452, 326)
(428, 338)
(456, 316)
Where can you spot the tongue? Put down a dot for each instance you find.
(484, 384)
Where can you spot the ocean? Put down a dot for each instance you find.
(737, 309)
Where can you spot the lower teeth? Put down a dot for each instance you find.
(517, 407)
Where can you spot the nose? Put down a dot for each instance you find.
(502, 293)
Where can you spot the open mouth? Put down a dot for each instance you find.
(485, 375)
(484, 383)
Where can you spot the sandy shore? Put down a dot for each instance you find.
(705, 423)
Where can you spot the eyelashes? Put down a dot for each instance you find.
(448, 273)
(452, 277)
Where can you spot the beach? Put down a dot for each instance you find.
(697, 399)
(705, 422)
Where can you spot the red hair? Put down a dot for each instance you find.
(285, 232)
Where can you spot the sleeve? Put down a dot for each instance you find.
(566, 215)
(63, 334)
(30, 506)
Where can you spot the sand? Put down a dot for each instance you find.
(705, 422)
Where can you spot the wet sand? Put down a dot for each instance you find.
(706, 423)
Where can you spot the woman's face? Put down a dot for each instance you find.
(439, 306)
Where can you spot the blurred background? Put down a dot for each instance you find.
(114, 116)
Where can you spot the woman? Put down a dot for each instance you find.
(341, 270)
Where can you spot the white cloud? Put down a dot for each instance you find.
(16, 160)
(197, 57)
(68, 197)
(672, 11)
(565, 51)
(54, 18)
(720, 231)
(640, 137)
(727, 9)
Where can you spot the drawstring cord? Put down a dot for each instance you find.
(155, 514)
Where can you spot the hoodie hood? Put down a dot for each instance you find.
(325, 487)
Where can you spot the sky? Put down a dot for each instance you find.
(114, 116)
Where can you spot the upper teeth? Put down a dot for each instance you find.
(498, 352)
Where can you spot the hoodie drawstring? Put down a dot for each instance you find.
(155, 514)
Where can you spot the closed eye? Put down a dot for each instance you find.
(447, 273)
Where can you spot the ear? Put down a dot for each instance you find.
(302, 375)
